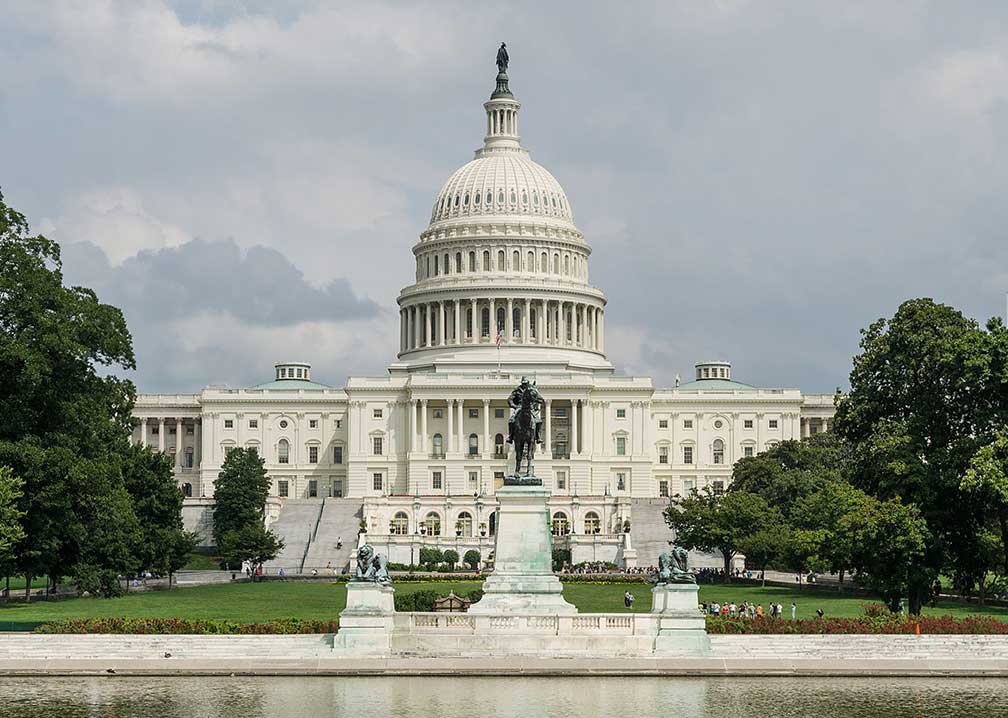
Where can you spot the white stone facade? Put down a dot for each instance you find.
(502, 290)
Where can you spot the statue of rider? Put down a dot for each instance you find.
(535, 401)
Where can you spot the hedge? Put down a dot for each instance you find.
(186, 626)
(973, 625)
(424, 600)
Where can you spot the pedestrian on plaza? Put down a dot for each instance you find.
(780, 610)
(794, 610)
(282, 574)
(628, 599)
(759, 610)
(819, 613)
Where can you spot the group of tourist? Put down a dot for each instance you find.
(748, 609)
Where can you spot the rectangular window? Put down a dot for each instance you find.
(687, 487)
(313, 423)
(154, 430)
(498, 413)
(621, 413)
(376, 414)
(312, 488)
(253, 423)
(376, 445)
(473, 479)
(498, 475)
(228, 423)
(620, 481)
(337, 454)
(747, 451)
(189, 431)
(663, 489)
(662, 454)
(719, 487)
(560, 412)
(620, 446)
(687, 424)
(376, 481)
(474, 413)
(282, 488)
(312, 454)
(687, 454)
(438, 413)
(337, 488)
(561, 480)
(436, 480)
(747, 424)
(172, 431)
(339, 423)
(663, 423)
(773, 423)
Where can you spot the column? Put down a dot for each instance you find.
(541, 322)
(458, 322)
(588, 428)
(583, 321)
(575, 426)
(801, 427)
(601, 329)
(160, 435)
(198, 441)
(562, 324)
(595, 326)
(426, 313)
(143, 432)
(412, 424)
(460, 441)
(473, 323)
(486, 428)
(527, 322)
(509, 323)
(441, 324)
(179, 434)
(402, 332)
(548, 439)
(423, 425)
(414, 328)
(451, 427)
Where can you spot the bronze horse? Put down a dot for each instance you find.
(524, 436)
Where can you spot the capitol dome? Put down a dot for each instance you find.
(502, 270)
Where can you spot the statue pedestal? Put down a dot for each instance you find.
(522, 580)
(367, 621)
(681, 625)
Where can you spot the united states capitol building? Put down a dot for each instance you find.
(502, 290)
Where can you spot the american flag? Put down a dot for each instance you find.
(498, 336)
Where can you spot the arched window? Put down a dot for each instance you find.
(476, 199)
(499, 445)
(436, 265)
(189, 457)
(718, 451)
(447, 264)
(458, 262)
(489, 198)
(486, 261)
(399, 526)
(473, 445)
(468, 331)
(535, 198)
(501, 316)
(500, 260)
(464, 524)
(533, 321)
(524, 198)
(283, 452)
(570, 323)
(427, 272)
(465, 200)
(432, 524)
(500, 196)
(544, 263)
(556, 264)
(530, 265)
(516, 321)
(566, 264)
(187, 490)
(438, 446)
(516, 260)
(591, 523)
(513, 198)
(560, 525)
(472, 261)
(485, 323)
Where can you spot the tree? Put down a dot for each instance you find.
(987, 479)
(11, 532)
(240, 494)
(920, 406)
(472, 559)
(431, 558)
(822, 515)
(253, 543)
(709, 521)
(451, 557)
(157, 502)
(763, 547)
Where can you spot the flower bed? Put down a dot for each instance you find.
(973, 625)
(186, 626)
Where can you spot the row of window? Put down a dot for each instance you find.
(433, 265)
(463, 201)
(254, 423)
(718, 423)
(283, 452)
(718, 486)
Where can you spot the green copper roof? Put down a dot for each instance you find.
(290, 385)
(715, 385)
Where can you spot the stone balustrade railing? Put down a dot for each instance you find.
(624, 624)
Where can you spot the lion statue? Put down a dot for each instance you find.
(371, 566)
(672, 566)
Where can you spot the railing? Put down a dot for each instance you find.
(437, 455)
(557, 625)
(561, 454)
(500, 454)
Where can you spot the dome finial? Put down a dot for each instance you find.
(502, 79)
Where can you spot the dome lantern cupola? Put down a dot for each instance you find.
(502, 111)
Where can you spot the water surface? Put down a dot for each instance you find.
(503, 697)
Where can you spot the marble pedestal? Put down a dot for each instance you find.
(367, 621)
(522, 581)
(681, 625)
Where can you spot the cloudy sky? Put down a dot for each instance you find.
(758, 180)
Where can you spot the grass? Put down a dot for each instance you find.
(253, 602)
(202, 562)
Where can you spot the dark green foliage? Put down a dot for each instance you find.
(472, 559)
(451, 557)
(240, 494)
(201, 626)
(431, 557)
(561, 558)
(423, 600)
(252, 543)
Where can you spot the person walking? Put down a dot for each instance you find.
(794, 610)
(628, 599)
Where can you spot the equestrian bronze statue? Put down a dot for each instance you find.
(525, 424)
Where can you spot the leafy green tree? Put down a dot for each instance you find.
(800, 550)
(987, 479)
(11, 532)
(472, 559)
(919, 408)
(431, 558)
(451, 557)
(240, 494)
(253, 543)
(763, 547)
(709, 521)
(822, 513)
(157, 502)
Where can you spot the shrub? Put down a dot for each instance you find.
(208, 626)
(451, 558)
(431, 557)
(561, 558)
(873, 624)
(472, 559)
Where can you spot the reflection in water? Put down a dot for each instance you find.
(121, 697)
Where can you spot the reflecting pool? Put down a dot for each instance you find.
(503, 697)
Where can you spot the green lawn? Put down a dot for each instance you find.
(248, 602)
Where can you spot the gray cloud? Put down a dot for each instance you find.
(758, 181)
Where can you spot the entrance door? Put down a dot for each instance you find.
(337, 488)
